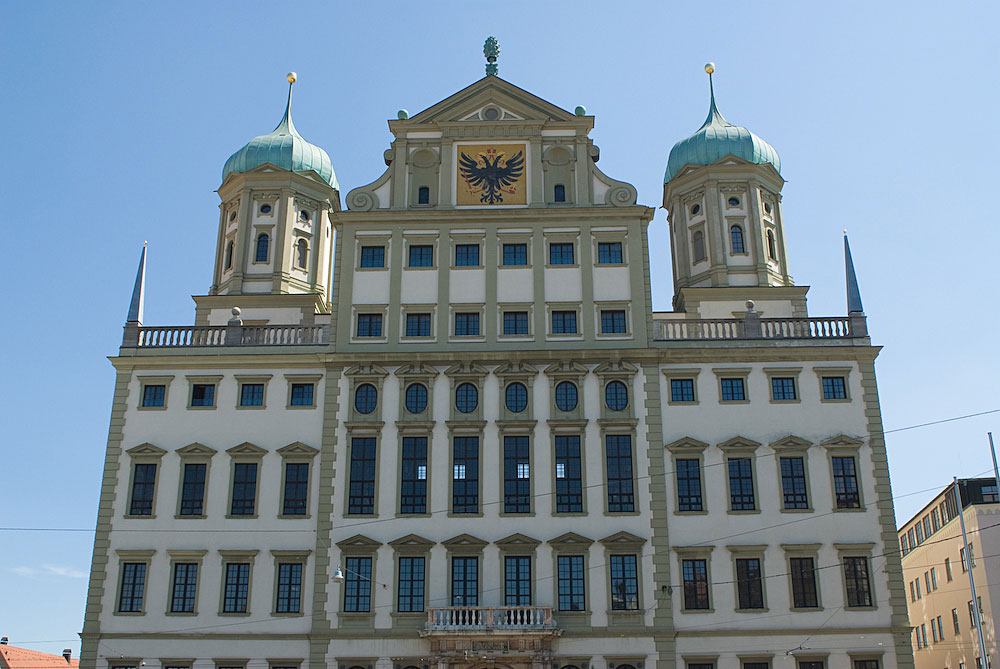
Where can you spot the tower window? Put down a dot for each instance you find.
(560, 193)
(698, 242)
(229, 255)
(695, 210)
(772, 253)
(734, 202)
(304, 216)
(423, 195)
(302, 253)
(232, 217)
(262, 244)
(767, 207)
(736, 239)
(265, 209)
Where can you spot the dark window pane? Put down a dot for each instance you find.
(613, 321)
(373, 256)
(467, 255)
(296, 498)
(369, 325)
(423, 195)
(466, 398)
(834, 388)
(289, 588)
(358, 585)
(252, 395)
(616, 396)
(517, 581)
(237, 587)
(302, 394)
(467, 325)
(793, 483)
(621, 497)
(559, 193)
(413, 474)
(804, 594)
(741, 497)
(845, 484)
(856, 577)
(569, 474)
(515, 254)
(563, 322)
(203, 395)
(411, 584)
(154, 396)
(185, 587)
(143, 487)
(624, 583)
(695, 575)
(572, 595)
(418, 325)
(682, 390)
(465, 475)
(609, 253)
(732, 390)
(516, 397)
(421, 256)
(465, 581)
(561, 254)
(749, 584)
(689, 485)
(193, 490)
(516, 475)
(365, 398)
(261, 251)
(361, 496)
(133, 587)
(783, 388)
(416, 397)
(736, 239)
(244, 489)
(566, 396)
(515, 322)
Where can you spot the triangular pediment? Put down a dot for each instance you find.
(146, 449)
(515, 369)
(298, 448)
(466, 369)
(197, 449)
(518, 540)
(509, 98)
(246, 448)
(842, 441)
(686, 444)
(566, 368)
(790, 443)
(411, 541)
(616, 368)
(358, 542)
(417, 369)
(570, 540)
(739, 443)
(370, 370)
(622, 539)
(464, 541)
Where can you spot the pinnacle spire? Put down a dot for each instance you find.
(135, 307)
(853, 292)
(714, 115)
(286, 127)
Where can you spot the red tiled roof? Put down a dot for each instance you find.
(12, 657)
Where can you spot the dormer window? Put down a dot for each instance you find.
(263, 241)
(302, 253)
(559, 194)
(423, 195)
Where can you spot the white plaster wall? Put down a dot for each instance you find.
(370, 288)
(151, 650)
(515, 285)
(467, 285)
(419, 286)
(726, 308)
(273, 315)
(563, 284)
(611, 283)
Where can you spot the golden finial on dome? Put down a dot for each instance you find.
(709, 68)
(291, 77)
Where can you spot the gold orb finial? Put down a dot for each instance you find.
(292, 77)
(709, 68)
(845, 231)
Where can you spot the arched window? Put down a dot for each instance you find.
(423, 195)
(416, 397)
(736, 239)
(466, 398)
(616, 395)
(365, 398)
(772, 252)
(516, 397)
(303, 253)
(229, 255)
(262, 244)
(559, 194)
(698, 242)
(566, 396)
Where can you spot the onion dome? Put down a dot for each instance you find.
(717, 138)
(284, 147)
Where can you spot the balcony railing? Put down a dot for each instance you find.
(476, 618)
(224, 335)
(751, 326)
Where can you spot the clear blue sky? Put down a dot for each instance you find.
(118, 117)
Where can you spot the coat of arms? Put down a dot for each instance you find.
(491, 174)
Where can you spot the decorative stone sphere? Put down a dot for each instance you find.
(580, 110)
(236, 312)
(402, 114)
(750, 305)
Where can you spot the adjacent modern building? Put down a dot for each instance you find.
(936, 569)
(443, 427)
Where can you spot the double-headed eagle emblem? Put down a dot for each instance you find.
(490, 178)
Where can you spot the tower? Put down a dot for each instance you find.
(722, 189)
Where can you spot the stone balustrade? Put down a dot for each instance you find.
(476, 618)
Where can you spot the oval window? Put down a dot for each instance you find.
(265, 209)
(516, 397)
(616, 395)
(767, 207)
(365, 398)
(734, 202)
(695, 210)
(466, 398)
(416, 397)
(566, 396)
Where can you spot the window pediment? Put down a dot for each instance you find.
(515, 371)
(686, 445)
(417, 370)
(359, 543)
(146, 449)
(246, 448)
(298, 448)
(842, 441)
(516, 541)
(739, 444)
(618, 370)
(570, 540)
(369, 371)
(196, 449)
(464, 541)
(790, 443)
(566, 369)
(622, 540)
(412, 542)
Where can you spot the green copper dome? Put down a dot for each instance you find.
(718, 138)
(285, 148)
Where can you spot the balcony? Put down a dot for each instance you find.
(192, 336)
(492, 619)
(752, 326)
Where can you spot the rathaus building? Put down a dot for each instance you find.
(436, 423)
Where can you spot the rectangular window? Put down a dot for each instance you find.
(811, 664)
(793, 483)
(749, 583)
(947, 569)
(856, 577)
(571, 583)
(621, 494)
(411, 585)
(515, 254)
(133, 587)
(613, 321)
(624, 583)
(741, 497)
(936, 519)
(373, 256)
(834, 388)
(203, 395)
(927, 580)
(465, 581)
(185, 587)
(783, 388)
(934, 633)
(913, 538)
(413, 483)
(563, 322)
(517, 581)
(569, 474)
(865, 664)
(682, 390)
(193, 490)
(361, 495)
(804, 595)
(296, 497)
(467, 255)
(516, 475)
(244, 489)
(465, 475)
(421, 255)
(252, 394)
(302, 394)
(237, 588)
(369, 325)
(702, 665)
(418, 325)
(845, 483)
(732, 390)
(154, 396)
(954, 621)
(609, 253)
(689, 485)
(756, 665)
(467, 325)
(904, 545)
(695, 575)
(920, 532)
(515, 322)
(972, 615)
(917, 583)
(358, 585)
(561, 254)
(926, 522)
(143, 486)
(940, 629)
(289, 588)
(913, 593)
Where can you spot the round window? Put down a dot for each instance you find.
(566, 396)
(734, 202)
(466, 398)
(695, 210)
(491, 113)
(616, 395)
(416, 397)
(517, 397)
(265, 209)
(365, 398)
(767, 207)
(304, 215)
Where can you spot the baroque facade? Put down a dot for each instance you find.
(486, 449)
